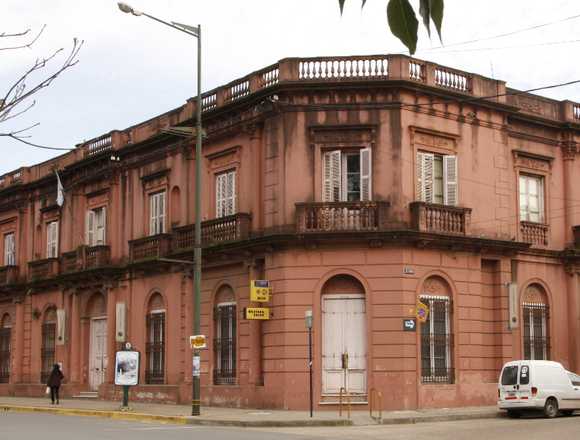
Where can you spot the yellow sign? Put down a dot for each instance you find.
(260, 291)
(422, 312)
(257, 313)
(197, 342)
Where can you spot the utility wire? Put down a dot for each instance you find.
(523, 46)
(505, 34)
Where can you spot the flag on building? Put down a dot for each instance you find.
(59, 190)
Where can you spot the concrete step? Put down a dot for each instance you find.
(86, 395)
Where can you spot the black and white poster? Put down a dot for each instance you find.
(127, 368)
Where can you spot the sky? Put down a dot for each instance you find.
(131, 68)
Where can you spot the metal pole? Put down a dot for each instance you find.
(125, 396)
(196, 391)
(310, 366)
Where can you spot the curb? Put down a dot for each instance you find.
(177, 420)
(440, 418)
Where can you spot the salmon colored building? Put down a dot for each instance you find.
(363, 188)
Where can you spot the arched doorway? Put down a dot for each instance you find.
(225, 337)
(535, 323)
(437, 332)
(344, 336)
(48, 348)
(5, 346)
(96, 311)
(155, 369)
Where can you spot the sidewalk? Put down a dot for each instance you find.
(180, 414)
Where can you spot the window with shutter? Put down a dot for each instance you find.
(225, 184)
(437, 180)
(156, 213)
(9, 250)
(52, 240)
(531, 198)
(347, 175)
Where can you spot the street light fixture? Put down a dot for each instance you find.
(194, 31)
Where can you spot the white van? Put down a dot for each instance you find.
(538, 385)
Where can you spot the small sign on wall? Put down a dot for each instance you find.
(260, 291)
(409, 325)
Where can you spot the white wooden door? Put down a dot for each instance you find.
(344, 331)
(98, 353)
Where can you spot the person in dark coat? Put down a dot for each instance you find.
(54, 381)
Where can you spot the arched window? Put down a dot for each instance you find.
(436, 332)
(5, 338)
(225, 337)
(535, 319)
(47, 353)
(155, 370)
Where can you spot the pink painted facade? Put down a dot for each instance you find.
(359, 187)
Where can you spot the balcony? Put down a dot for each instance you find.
(320, 217)
(148, 248)
(43, 269)
(8, 275)
(96, 256)
(534, 233)
(440, 219)
(69, 262)
(220, 230)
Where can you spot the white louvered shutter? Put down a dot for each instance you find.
(52, 240)
(365, 174)
(450, 193)
(332, 169)
(90, 225)
(219, 195)
(152, 214)
(425, 191)
(161, 213)
(101, 226)
(9, 250)
(230, 196)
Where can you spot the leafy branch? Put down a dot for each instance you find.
(403, 21)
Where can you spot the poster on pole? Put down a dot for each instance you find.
(127, 368)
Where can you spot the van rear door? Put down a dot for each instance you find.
(524, 391)
(508, 385)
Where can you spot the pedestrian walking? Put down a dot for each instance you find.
(54, 381)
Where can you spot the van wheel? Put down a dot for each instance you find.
(514, 414)
(551, 408)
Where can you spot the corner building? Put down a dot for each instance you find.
(359, 187)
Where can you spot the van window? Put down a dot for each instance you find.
(510, 375)
(524, 375)
(574, 378)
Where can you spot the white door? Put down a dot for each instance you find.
(98, 353)
(344, 332)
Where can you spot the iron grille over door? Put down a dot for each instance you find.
(5, 334)
(225, 344)
(436, 341)
(155, 372)
(47, 350)
(536, 341)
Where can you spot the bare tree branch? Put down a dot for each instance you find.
(13, 103)
(22, 46)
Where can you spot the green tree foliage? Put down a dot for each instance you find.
(403, 20)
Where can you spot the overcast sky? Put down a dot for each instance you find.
(132, 68)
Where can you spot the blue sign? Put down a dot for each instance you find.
(409, 325)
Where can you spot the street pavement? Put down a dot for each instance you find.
(28, 426)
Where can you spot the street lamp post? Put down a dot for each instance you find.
(194, 31)
(308, 322)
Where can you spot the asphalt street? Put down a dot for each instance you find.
(51, 427)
